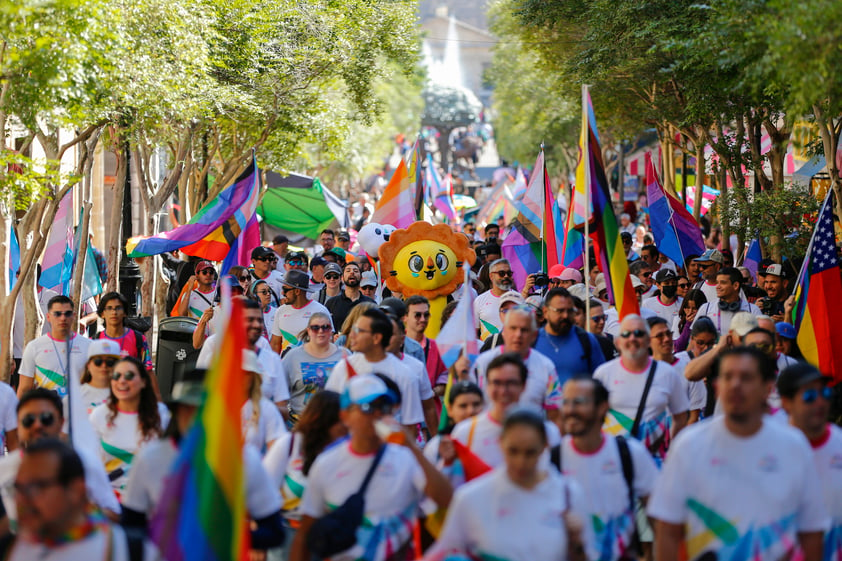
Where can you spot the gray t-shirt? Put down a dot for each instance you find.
(307, 375)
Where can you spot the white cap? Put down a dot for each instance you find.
(251, 362)
(364, 389)
(103, 347)
(368, 279)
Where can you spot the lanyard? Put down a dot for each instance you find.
(64, 368)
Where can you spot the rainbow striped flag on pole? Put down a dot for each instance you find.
(591, 173)
(225, 224)
(817, 293)
(202, 514)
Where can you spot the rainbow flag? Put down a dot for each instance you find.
(396, 205)
(202, 514)
(817, 293)
(227, 222)
(531, 246)
(573, 248)
(438, 191)
(590, 172)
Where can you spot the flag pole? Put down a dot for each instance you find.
(543, 211)
(587, 188)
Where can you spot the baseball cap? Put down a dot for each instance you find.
(297, 256)
(394, 306)
(664, 275)
(189, 389)
(369, 279)
(364, 389)
(202, 265)
(786, 330)
(555, 271)
(261, 252)
(103, 347)
(344, 236)
(743, 322)
(763, 265)
(333, 268)
(511, 296)
(571, 274)
(775, 270)
(280, 238)
(318, 261)
(710, 255)
(625, 236)
(233, 282)
(795, 376)
(636, 282)
(578, 290)
(251, 363)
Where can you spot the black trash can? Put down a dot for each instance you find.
(176, 354)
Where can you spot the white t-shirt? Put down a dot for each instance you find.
(601, 476)
(667, 312)
(91, 548)
(268, 427)
(697, 393)
(391, 500)
(493, 518)
(8, 413)
(419, 370)
(19, 327)
(45, 360)
(199, 301)
(709, 290)
(828, 459)
(120, 439)
(411, 411)
(755, 495)
(487, 314)
(542, 390)
(291, 321)
(283, 466)
(722, 319)
(152, 466)
(96, 482)
(92, 397)
(481, 435)
(274, 383)
(667, 397)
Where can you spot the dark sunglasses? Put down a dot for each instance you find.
(639, 333)
(317, 328)
(207, 272)
(46, 418)
(127, 376)
(109, 362)
(646, 275)
(598, 319)
(684, 285)
(67, 314)
(244, 279)
(811, 395)
(332, 276)
(504, 273)
(419, 315)
(264, 259)
(288, 289)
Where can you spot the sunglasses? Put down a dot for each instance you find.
(811, 395)
(127, 376)
(371, 288)
(419, 315)
(264, 292)
(317, 328)
(264, 259)
(370, 408)
(598, 319)
(639, 333)
(504, 273)
(578, 400)
(67, 314)
(295, 263)
(763, 347)
(109, 362)
(332, 276)
(244, 279)
(646, 275)
(684, 285)
(705, 266)
(46, 418)
(288, 289)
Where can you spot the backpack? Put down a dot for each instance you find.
(585, 342)
(138, 341)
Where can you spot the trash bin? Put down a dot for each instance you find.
(176, 354)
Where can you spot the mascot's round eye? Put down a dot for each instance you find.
(416, 263)
(377, 231)
(441, 261)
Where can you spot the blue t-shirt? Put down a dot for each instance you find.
(567, 353)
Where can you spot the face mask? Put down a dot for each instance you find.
(669, 291)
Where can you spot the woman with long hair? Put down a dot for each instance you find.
(686, 316)
(519, 498)
(289, 460)
(349, 322)
(262, 422)
(308, 366)
(103, 354)
(131, 417)
(261, 292)
(243, 277)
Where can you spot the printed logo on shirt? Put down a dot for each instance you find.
(768, 464)
(610, 467)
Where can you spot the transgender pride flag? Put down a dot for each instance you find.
(57, 264)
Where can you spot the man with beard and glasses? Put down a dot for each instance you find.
(340, 305)
(40, 417)
(646, 416)
(542, 390)
(274, 386)
(666, 305)
(571, 349)
(614, 472)
(487, 304)
(740, 486)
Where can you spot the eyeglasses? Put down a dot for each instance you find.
(419, 315)
(505, 383)
(370, 408)
(99, 361)
(503, 273)
(127, 376)
(317, 328)
(357, 329)
(703, 342)
(46, 418)
(811, 395)
(578, 400)
(67, 314)
(33, 488)
(295, 263)
(207, 272)
(639, 333)
(562, 311)
(114, 308)
(684, 285)
(264, 292)
(598, 319)
(665, 335)
(332, 276)
(646, 275)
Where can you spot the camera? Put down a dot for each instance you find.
(541, 279)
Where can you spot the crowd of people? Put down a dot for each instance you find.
(693, 430)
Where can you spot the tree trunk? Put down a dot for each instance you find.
(829, 129)
(113, 244)
(700, 180)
